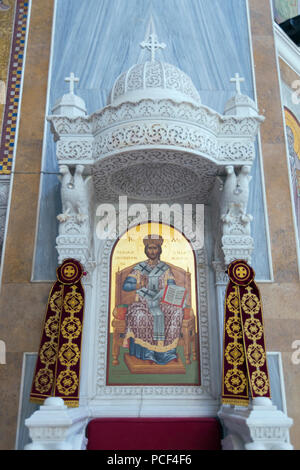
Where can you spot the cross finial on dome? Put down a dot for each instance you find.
(151, 42)
(72, 79)
(237, 80)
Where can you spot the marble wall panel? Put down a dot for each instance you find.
(22, 304)
(281, 298)
(10, 376)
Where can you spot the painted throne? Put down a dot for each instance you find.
(188, 338)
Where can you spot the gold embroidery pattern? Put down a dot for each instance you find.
(253, 329)
(69, 353)
(260, 383)
(234, 328)
(56, 302)
(234, 354)
(44, 378)
(48, 353)
(235, 381)
(256, 355)
(52, 327)
(233, 302)
(244, 360)
(250, 302)
(73, 302)
(71, 328)
(67, 382)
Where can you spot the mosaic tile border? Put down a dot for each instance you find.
(13, 96)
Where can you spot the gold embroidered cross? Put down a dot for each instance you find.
(69, 271)
(241, 272)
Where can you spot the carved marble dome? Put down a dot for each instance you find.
(241, 105)
(153, 80)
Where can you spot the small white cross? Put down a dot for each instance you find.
(72, 79)
(152, 45)
(237, 80)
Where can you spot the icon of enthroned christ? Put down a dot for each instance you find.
(154, 319)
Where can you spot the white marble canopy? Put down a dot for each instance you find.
(155, 121)
(155, 140)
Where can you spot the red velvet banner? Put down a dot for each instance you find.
(244, 356)
(57, 370)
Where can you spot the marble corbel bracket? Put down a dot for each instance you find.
(235, 231)
(75, 238)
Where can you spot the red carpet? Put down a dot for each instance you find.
(154, 434)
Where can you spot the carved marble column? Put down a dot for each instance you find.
(221, 280)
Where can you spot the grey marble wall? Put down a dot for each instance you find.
(99, 39)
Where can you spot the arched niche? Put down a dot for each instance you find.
(149, 399)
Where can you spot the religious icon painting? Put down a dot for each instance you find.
(153, 321)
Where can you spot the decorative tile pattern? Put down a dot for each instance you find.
(13, 87)
(6, 29)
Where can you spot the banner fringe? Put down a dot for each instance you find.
(71, 403)
(38, 401)
(235, 401)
